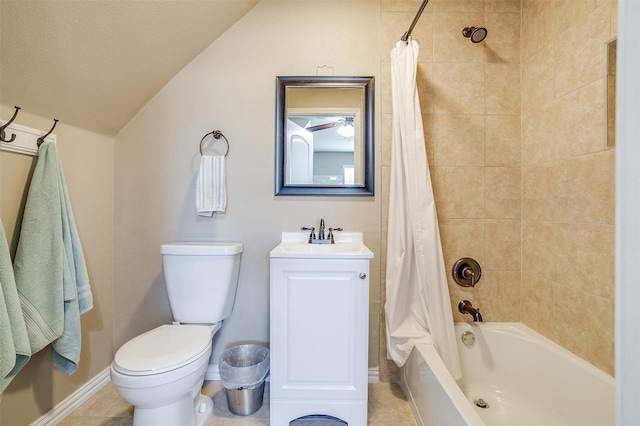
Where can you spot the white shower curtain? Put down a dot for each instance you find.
(417, 308)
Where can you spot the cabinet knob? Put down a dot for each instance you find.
(362, 275)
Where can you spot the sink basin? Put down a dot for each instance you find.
(348, 245)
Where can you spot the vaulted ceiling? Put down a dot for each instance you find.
(94, 64)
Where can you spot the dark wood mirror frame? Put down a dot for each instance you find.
(367, 173)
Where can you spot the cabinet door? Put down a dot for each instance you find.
(319, 329)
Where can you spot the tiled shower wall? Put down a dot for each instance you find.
(568, 177)
(520, 205)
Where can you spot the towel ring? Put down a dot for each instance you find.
(217, 134)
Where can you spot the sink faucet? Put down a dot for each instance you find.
(321, 230)
(465, 307)
(321, 238)
(330, 236)
(312, 235)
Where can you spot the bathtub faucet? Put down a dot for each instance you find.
(465, 307)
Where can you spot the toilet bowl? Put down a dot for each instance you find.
(161, 372)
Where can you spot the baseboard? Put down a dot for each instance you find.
(212, 373)
(75, 400)
(374, 375)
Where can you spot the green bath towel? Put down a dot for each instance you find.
(50, 269)
(14, 341)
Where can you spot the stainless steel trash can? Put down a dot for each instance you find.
(245, 401)
(243, 370)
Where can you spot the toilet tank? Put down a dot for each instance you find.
(201, 279)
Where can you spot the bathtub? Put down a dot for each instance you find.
(522, 377)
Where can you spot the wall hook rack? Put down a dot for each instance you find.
(43, 137)
(2, 132)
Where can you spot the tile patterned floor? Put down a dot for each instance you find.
(387, 407)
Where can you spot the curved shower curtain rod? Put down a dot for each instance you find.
(406, 35)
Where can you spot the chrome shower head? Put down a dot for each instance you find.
(476, 35)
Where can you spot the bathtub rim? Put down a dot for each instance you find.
(459, 400)
(450, 386)
(526, 332)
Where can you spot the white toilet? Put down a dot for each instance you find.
(161, 372)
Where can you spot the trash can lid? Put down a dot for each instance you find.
(163, 349)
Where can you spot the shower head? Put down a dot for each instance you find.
(476, 35)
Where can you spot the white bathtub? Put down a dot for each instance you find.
(526, 379)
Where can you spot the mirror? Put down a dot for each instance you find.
(324, 136)
(610, 94)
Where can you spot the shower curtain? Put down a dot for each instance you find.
(417, 307)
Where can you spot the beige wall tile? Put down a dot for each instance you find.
(578, 123)
(502, 88)
(502, 245)
(459, 140)
(568, 13)
(537, 303)
(498, 295)
(579, 53)
(403, 6)
(504, 6)
(537, 73)
(462, 238)
(385, 140)
(590, 337)
(581, 262)
(459, 6)
(503, 193)
(583, 189)
(395, 24)
(537, 26)
(457, 89)
(538, 141)
(459, 192)
(611, 156)
(538, 249)
(449, 45)
(502, 44)
(384, 84)
(538, 191)
(613, 4)
(503, 147)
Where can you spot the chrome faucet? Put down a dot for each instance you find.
(312, 234)
(465, 307)
(321, 237)
(330, 237)
(321, 230)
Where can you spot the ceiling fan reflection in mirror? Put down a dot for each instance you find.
(344, 125)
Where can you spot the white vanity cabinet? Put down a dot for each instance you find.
(319, 336)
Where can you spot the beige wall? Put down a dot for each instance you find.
(87, 160)
(526, 192)
(568, 177)
(231, 86)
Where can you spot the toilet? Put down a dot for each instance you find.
(161, 372)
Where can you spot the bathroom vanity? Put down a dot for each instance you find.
(319, 328)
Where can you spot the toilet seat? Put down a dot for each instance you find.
(163, 349)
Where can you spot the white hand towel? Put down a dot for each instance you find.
(211, 191)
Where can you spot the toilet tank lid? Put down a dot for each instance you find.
(201, 248)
